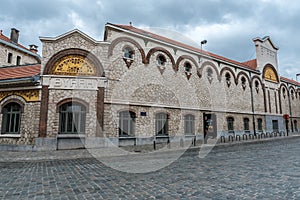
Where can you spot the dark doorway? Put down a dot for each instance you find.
(209, 125)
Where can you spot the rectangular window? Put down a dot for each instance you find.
(259, 124)
(189, 125)
(9, 57)
(230, 121)
(246, 124)
(161, 124)
(275, 125)
(18, 60)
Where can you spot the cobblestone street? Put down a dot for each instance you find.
(268, 170)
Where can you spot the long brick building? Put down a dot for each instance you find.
(136, 87)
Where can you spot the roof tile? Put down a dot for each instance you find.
(15, 72)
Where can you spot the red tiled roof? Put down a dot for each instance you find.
(164, 39)
(15, 72)
(6, 39)
(290, 80)
(252, 64)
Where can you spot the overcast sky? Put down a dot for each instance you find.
(228, 25)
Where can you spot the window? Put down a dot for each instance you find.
(126, 123)
(18, 60)
(292, 94)
(256, 86)
(275, 125)
(228, 79)
(161, 60)
(209, 72)
(188, 67)
(295, 126)
(246, 124)
(9, 57)
(161, 124)
(283, 92)
(11, 119)
(259, 124)
(189, 124)
(128, 53)
(72, 117)
(230, 121)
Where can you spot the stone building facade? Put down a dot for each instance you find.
(137, 87)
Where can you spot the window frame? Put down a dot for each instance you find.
(189, 124)
(9, 57)
(72, 126)
(230, 123)
(18, 61)
(246, 124)
(161, 124)
(259, 124)
(127, 119)
(128, 53)
(11, 127)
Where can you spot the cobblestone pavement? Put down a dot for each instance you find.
(250, 171)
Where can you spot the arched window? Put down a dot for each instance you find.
(259, 124)
(11, 119)
(128, 53)
(161, 60)
(161, 124)
(230, 125)
(126, 123)
(246, 124)
(228, 79)
(72, 117)
(189, 124)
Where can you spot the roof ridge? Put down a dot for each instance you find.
(183, 45)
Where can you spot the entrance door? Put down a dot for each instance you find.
(209, 125)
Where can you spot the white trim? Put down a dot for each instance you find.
(10, 135)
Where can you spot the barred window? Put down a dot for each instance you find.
(126, 123)
(72, 118)
(161, 124)
(189, 124)
(11, 119)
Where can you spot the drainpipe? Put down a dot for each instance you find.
(252, 104)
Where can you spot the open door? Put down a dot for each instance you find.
(209, 125)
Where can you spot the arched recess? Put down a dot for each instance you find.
(68, 54)
(126, 39)
(208, 63)
(223, 70)
(181, 58)
(244, 74)
(153, 50)
(270, 73)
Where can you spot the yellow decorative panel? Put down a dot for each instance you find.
(270, 74)
(74, 65)
(28, 95)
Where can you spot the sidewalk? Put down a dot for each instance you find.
(18, 156)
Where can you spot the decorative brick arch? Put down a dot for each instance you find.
(255, 77)
(181, 58)
(75, 100)
(13, 100)
(227, 69)
(74, 51)
(241, 73)
(153, 50)
(126, 39)
(208, 63)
